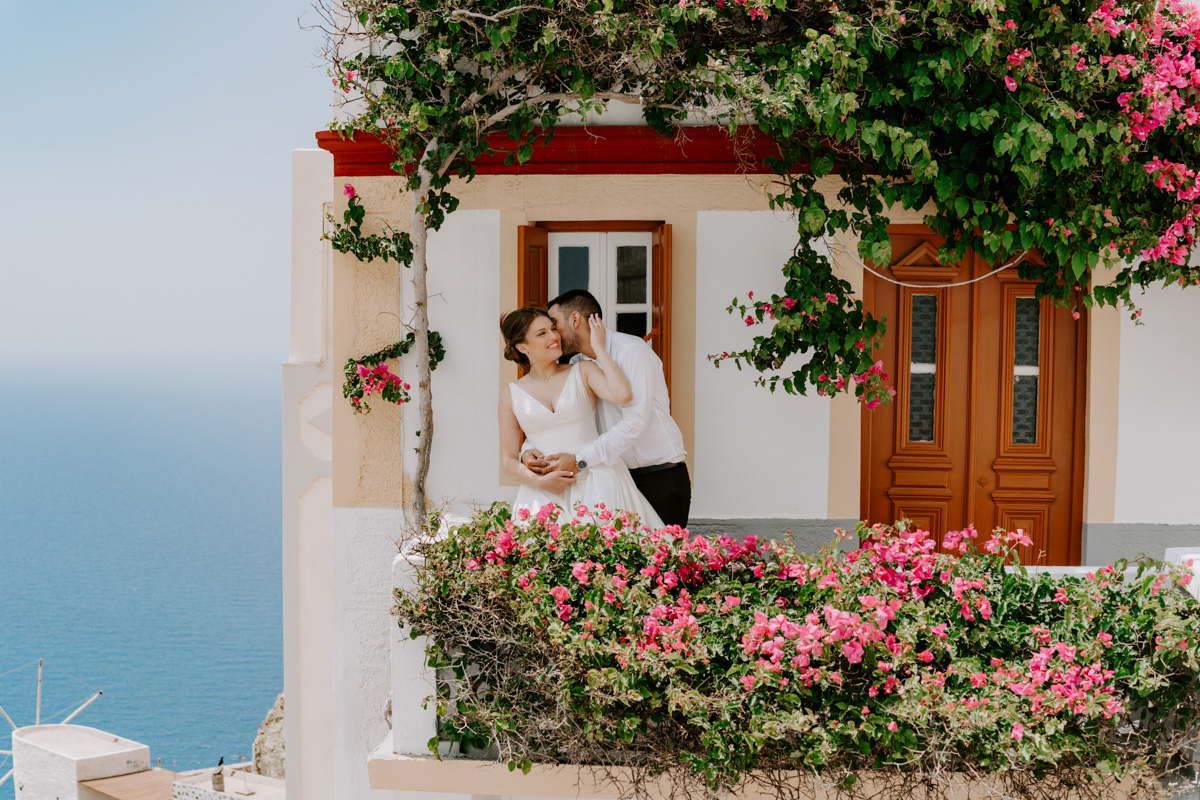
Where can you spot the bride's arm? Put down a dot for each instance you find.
(510, 453)
(606, 380)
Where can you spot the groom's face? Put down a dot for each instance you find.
(566, 331)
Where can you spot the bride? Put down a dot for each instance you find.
(554, 405)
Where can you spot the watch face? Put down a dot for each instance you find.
(581, 464)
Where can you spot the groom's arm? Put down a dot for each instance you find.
(641, 367)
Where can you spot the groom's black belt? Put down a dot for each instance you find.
(654, 468)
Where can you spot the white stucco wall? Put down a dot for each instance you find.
(757, 454)
(464, 295)
(1158, 434)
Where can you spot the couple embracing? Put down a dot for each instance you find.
(598, 430)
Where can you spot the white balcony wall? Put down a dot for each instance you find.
(1158, 434)
(758, 454)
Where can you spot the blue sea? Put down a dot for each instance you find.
(140, 554)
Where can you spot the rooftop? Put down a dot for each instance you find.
(151, 784)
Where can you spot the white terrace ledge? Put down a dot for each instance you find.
(402, 761)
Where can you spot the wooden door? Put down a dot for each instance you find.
(987, 425)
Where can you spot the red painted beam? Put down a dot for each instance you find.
(595, 150)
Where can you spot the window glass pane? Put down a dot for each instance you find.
(1027, 347)
(924, 329)
(572, 268)
(632, 323)
(1025, 409)
(631, 274)
(921, 388)
(1028, 331)
(922, 382)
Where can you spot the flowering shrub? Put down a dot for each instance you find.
(370, 375)
(589, 639)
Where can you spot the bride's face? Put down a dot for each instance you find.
(542, 342)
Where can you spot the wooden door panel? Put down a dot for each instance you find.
(923, 516)
(1006, 445)
(916, 471)
(1032, 518)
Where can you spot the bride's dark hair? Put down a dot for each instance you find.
(513, 327)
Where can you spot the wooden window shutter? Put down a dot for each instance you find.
(660, 321)
(533, 247)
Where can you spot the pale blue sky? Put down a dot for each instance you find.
(145, 156)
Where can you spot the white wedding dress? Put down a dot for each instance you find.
(566, 429)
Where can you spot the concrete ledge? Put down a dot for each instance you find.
(810, 535)
(387, 770)
(1104, 543)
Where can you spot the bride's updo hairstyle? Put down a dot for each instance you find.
(513, 327)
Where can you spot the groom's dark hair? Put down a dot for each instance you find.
(580, 300)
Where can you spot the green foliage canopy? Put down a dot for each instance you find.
(1065, 128)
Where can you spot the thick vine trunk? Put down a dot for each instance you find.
(420, 269)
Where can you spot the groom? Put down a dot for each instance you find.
(641, 433)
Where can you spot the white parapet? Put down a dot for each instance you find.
(1190, 558)
(49, 761)
(414, 722)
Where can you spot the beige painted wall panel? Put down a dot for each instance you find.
(1101, 414)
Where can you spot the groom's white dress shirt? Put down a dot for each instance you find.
(641, 433)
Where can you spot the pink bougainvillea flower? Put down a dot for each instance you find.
(853, 651)
(1009, 83)
(1016, 57)
(749, 320)
(348, 190)
(1018, 731)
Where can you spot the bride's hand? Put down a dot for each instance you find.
(556, 482)
(598, 332)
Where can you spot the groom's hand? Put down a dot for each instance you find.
(564, 462)
(536, 462)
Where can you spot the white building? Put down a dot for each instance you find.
(1010, 412)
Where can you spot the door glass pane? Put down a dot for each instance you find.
(633, 324)
(572, 268)
(922, 368)
(631, 274)
(1026, 353)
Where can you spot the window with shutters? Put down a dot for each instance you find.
(625, 265)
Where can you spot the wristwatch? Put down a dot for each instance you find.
(580, 464)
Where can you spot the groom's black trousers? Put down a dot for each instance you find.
(669, 490)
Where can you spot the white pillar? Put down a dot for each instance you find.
(307, 490)
(412, 681)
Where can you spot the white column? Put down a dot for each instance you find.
(307, 491)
